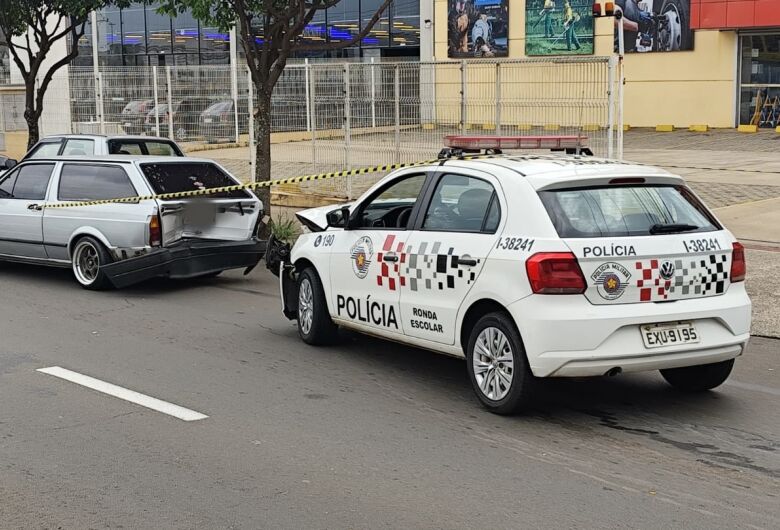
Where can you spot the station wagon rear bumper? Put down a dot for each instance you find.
(187, 259)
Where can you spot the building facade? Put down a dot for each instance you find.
(727, 74)
(140, 36)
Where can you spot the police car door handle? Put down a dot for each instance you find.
(390, 257)
(467, 261)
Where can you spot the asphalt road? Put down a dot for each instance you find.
(366, 434)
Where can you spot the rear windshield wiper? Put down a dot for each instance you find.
(671, 228)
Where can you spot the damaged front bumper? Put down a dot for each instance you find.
(187, 259)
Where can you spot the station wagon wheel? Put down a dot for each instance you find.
(314, 323)
(497, 365)
(87, 259)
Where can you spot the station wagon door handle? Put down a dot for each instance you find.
(469, 262)
(36, 207)
(390, 257)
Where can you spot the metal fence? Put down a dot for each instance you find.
(337, 115)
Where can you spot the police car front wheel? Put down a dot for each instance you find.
(314, 323)
(497, 365)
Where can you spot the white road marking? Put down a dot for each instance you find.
(123, 393)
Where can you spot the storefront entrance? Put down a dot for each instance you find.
(759, 79)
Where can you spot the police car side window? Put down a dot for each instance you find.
(463, 204)
(392, 208)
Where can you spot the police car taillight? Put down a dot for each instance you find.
(555, 273)
(738, 265)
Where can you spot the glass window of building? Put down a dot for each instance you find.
(5, 62)
(406, 22)
(134, 35)
(380, 33)
(186, 42)
(158, 36)
(760, 80)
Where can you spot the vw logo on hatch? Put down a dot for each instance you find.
(667, 270)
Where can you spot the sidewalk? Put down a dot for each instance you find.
(738, 175)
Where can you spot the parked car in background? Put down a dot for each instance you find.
(185, 117)
(95, 144)
(134, 114)
(6, 164)
(150, 122)
(218, 121)
(118, 244)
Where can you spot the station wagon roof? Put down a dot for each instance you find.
(122, 159)
(107, 137)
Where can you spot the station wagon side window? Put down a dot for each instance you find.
(45, 149)
(392, 207)
(29, 182)
(463, 204)
(7, 182)
(79, 147)
(89, 182)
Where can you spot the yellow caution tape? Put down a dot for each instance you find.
(256, 185)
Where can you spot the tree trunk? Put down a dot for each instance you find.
(263, 153)
(33, 130)
(31, 114)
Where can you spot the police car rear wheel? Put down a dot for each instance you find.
(497, 365)
(698, 378)
(314, 323)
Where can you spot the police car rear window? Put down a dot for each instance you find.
(615, 211)
(189, 176)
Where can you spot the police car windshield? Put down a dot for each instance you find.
(615, 211)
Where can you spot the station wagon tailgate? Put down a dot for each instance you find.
(228, 216)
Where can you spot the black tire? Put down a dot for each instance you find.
(321, 330)
(683, 9)
(698, 378)
(522, 383)
(87, 259)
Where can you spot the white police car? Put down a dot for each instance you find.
(530, 267)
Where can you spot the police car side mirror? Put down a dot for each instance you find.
(338, 218)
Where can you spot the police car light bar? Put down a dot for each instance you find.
(477, 143)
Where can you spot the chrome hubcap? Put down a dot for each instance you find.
(493, 363)
(86, 263)
(305, 306)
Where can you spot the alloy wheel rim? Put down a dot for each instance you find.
(86, 263)
(305, 306)
(493, 362)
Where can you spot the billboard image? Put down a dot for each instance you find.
(558, 27)
(656, 25)
(477, 28)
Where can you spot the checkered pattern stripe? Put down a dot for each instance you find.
(693, 277)
(434, 269)
(428, 268)
(388, 274)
